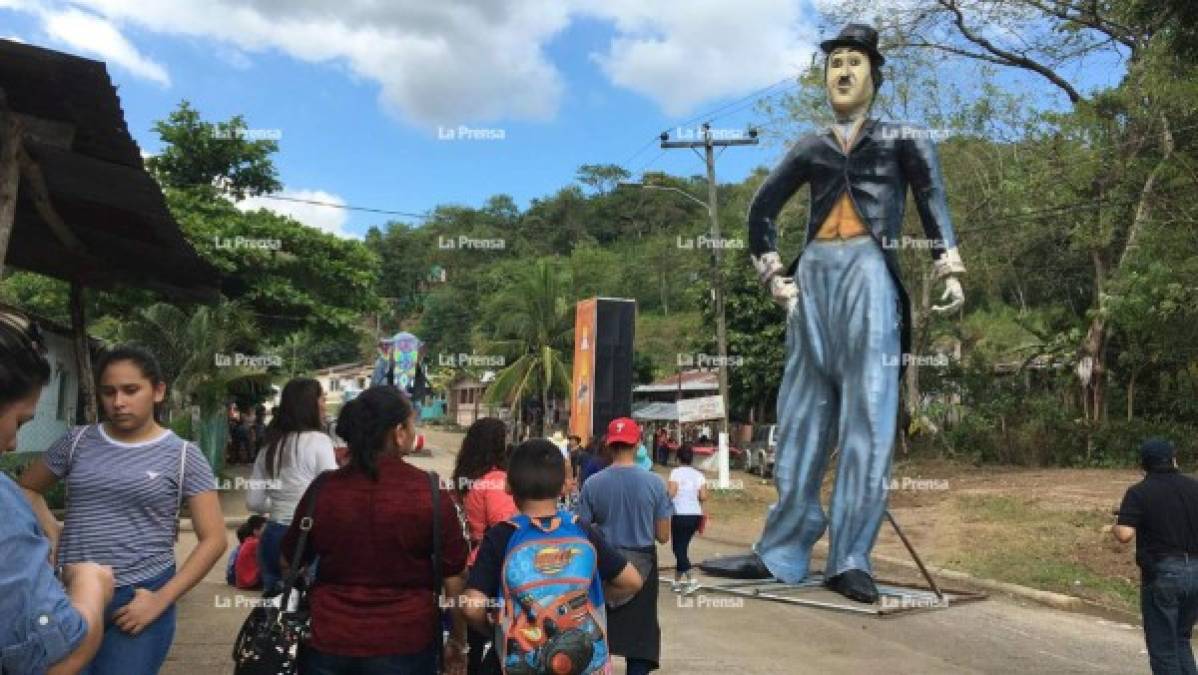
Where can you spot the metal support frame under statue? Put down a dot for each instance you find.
(894, 598)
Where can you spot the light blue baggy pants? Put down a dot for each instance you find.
(840, 388)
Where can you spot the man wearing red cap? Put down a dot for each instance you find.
(632, 509)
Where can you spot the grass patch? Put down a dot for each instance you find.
(1015, 539)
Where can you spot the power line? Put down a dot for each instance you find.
(346, 207)
(759, 93)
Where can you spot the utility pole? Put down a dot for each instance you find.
(709, 144)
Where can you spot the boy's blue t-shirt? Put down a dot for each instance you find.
(625, 502)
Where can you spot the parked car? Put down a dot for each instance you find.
(759, 455)
(705, 456)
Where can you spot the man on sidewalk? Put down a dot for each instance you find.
(1163, 510)
(632, 509)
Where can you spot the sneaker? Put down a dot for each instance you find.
(676, 585)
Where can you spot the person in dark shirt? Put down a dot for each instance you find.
(1161, 514)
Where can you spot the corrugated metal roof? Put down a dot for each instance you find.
(692, 380)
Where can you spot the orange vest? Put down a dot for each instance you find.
(842, 221)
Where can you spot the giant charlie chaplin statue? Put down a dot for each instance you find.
(847, 321)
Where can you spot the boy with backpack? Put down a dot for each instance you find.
(545, 574)
(632, 508)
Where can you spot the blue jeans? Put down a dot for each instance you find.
(314, 662)
(682, 529)
(638, 666)
(840, 387)
(1169, 606)
(268, 556)
(121, 653)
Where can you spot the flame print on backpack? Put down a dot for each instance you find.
(553, 620)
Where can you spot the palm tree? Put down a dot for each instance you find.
(188, 345)
(534, 332)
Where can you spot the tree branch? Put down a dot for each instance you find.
(1007, 57)
(1089, 19)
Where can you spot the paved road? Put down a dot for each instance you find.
(714, 633)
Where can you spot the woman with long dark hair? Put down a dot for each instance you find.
(42, 627)
(373, 605)
(297, 450)
(128, 479)
(480, 479)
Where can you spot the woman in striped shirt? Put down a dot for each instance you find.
(127, 480)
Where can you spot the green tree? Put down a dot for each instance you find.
(196, 349)
(535, 335)
(216, 156)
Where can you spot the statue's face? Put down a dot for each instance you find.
(849, 80)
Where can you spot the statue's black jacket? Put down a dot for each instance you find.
(884, 160)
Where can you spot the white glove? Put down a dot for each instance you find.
(784, 292)
(782, 289)
(768, 265)
(953, 293)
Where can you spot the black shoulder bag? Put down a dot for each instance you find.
(271, 637)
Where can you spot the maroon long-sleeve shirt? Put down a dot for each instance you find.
(374, 584)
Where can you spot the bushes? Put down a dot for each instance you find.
(1038, 431)
(1032, 431)
(1025, 422)
(13, 465)
(1117, 443)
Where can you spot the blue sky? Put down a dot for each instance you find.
(358, 93)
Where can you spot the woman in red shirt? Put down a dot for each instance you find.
(480, 481)
(373, 607)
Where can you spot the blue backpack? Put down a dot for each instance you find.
(553, 619)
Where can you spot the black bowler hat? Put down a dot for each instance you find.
(856, 35)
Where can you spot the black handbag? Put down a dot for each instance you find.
(270, 639)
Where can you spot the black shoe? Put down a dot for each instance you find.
(747, 566)
(854, 585)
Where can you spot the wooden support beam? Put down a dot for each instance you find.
(10, 143)
(40, 194)
(83, 354)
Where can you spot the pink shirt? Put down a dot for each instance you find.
(487, 503)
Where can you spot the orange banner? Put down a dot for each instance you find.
(582, 386)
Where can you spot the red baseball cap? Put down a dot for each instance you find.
(623, 430)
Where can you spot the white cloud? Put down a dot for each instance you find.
(681, 55)
(463, 61)
(434, 63)
(94, 35)
(327, 218)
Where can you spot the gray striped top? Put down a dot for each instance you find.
(122, 504)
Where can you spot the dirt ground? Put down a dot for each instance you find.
(1045, 528)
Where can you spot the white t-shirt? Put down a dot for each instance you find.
(686, 500)
(302, 458)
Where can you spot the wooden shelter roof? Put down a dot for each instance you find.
(87, 211)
